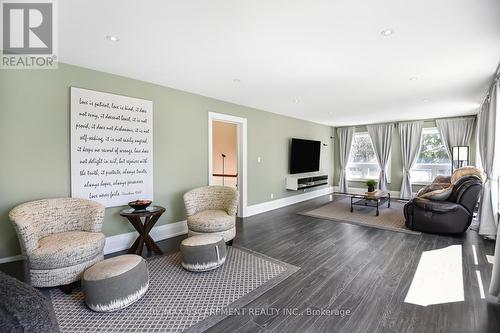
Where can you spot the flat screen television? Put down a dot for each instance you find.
(304, 155)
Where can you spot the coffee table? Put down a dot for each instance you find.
(370, 199)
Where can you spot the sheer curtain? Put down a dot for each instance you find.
(410, 134)
(489, 157)
(455, 132)
(489, 149)
(381, 136)
(345, 135)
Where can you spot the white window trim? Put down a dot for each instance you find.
(423, 183)
(351, 179)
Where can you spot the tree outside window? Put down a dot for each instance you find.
(362, 163)
(433, 159)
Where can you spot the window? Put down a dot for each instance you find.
(363, 163)
(433, 159)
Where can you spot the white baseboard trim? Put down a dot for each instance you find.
(278, 203)
(124, 241)
(10, 259)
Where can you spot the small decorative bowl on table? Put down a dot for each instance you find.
(140, 204)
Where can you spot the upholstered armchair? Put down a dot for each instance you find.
(60, 238)
(212, 210)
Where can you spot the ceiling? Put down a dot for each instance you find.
(323, 61)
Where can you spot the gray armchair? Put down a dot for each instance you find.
(60, 238)
(212, 209)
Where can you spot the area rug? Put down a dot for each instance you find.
(178, 300)
(340, 211)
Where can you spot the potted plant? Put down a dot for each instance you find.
(371, 183)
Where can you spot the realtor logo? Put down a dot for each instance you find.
(28, 34)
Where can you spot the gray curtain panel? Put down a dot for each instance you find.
(345, 135)
(489, 149)
(381, 136)
(410, 134)
(455, 131)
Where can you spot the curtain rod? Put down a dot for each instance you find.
(395, 122)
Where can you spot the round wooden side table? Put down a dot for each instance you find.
(151, 215)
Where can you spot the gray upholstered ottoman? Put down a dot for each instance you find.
(203, 252)
(115, 283)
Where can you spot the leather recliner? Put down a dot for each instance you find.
(452, 216)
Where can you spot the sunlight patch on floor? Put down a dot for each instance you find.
(438, 278)
(475, 255)
(480, 284)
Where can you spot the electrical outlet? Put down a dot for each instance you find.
(272, 195)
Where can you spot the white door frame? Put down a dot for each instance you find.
(242, 154)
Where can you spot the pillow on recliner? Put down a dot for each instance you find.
(466, 172)
(436, 191)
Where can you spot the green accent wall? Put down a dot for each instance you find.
(35, 134)
(396, 161)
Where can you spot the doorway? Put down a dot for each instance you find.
(224, 153)
(227, 153)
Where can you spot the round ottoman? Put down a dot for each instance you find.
(203, 252)
(115, 283)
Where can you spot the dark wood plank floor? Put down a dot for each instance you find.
(360, 275)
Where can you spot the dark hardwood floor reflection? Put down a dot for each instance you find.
(352, 278)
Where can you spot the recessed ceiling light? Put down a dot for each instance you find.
(112, 38)
(387, 32)
(295, 100)
(413, 78)
(236, 80)
(425, 100)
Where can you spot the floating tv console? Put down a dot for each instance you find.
(300, 182)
